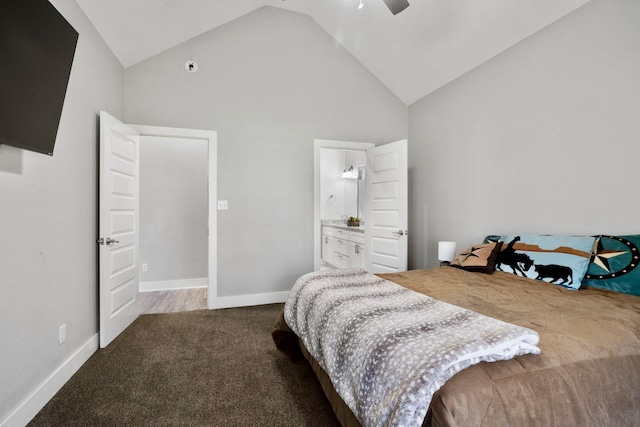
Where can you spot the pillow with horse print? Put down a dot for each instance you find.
(478, 258)
(561, 260)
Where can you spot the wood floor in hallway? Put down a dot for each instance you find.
(173, 301)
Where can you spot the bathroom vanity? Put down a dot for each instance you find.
(342, 246)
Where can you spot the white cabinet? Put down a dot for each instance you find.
(340, 261)
(356, 255)
(342, 248)
(341, 251)
(356, 250)
(327, 249)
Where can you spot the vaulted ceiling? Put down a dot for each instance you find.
(413, 53)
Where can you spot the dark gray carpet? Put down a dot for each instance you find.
(199, 368)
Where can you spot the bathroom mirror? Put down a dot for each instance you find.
(340, 196)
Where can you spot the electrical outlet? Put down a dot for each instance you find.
(145, 268)
(223, 205)
(62, 334)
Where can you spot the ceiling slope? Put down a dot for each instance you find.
(413, 53)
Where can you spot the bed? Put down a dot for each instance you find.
(587, 374)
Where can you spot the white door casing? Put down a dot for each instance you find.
(386, 208)
(318, 146)
(119, 239)
(212, 178)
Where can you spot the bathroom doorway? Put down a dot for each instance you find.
(344, 194)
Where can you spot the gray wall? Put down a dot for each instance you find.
(268, 83)
(544, 138)
(173, 208)
(48, 227)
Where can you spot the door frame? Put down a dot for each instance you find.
(318, 146)
(212, 141)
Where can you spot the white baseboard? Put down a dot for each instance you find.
(30, 407)
(247, 300)
(166, 285)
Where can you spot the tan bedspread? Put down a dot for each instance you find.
(589, 369)
(588, 373)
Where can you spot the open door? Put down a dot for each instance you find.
(118, 257)
(386, 208)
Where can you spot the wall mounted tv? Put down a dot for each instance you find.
(37, 46)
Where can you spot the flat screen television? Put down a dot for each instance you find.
(37, 46)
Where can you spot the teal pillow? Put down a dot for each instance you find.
(614, 265)
(561, 260)
(492, 238)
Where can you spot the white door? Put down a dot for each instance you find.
(119, 167)
(386, 208)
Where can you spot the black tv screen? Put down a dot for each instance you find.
(37, 46)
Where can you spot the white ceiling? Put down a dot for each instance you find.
(429, 44)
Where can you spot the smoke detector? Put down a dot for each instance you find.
(191, 66)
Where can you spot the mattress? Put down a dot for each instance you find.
(588, 372)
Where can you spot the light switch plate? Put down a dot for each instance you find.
(223, 205)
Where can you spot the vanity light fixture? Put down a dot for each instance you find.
(350, 173)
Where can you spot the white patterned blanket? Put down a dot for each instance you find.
(388, 349)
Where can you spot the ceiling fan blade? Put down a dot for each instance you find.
(396, 6)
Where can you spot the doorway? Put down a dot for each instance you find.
(173, 224)
(320, 146)
(384, 206)
(193, 138)
(118, 229)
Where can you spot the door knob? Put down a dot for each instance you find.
(399, 233)
(107, 241)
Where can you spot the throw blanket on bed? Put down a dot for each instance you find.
(386, 348)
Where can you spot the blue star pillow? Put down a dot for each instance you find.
(614, 265)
